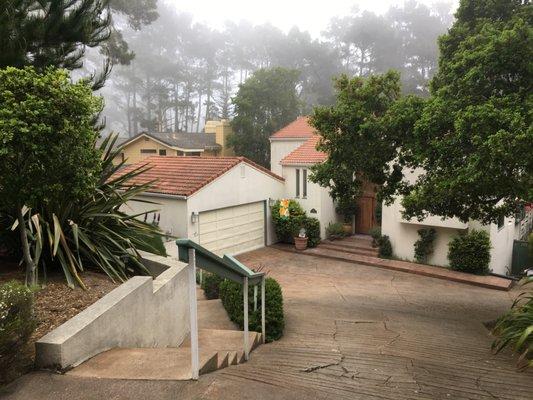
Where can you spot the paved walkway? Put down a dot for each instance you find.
(353, 332)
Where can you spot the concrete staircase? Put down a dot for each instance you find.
(357, 244)
(220, 343)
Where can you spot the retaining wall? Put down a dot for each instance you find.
(142, 312)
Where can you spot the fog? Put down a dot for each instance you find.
(188, 63)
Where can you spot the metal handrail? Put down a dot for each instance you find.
(227, 267)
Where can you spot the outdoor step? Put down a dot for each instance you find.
(487, 281)
(222, 359)
(213, 315)
(223, 340)
(140, 363)
(348, 248)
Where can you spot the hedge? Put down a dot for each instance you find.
(17, 323)
(470, 252)
(232, 298)
(210, 285)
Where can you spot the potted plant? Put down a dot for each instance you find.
(300, 240)
(347, 207)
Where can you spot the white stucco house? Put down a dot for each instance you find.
(292, 152)
(219, 202)
(404, 233)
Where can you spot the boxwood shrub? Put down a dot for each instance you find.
(210, 285)
(232, 299)
(470, 252)
(385, 247)
(17, 323)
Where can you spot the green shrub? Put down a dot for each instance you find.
(347, 207)
(375, 232)
(312, 230)
(378, 212)
(424, 245)
(17, 323)
(385, 247)
(210, 285)
(470, 252)
(232, 299)
(515, 328)
(335, 231)
(287, 227)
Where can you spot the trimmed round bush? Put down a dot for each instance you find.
(210, 285)
(17, 323)
(385, 247)
(470, 252)
(312, 230)
(232, 299)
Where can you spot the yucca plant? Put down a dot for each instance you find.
(95, 232)
(515, 329)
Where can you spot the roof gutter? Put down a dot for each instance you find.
(164, 195)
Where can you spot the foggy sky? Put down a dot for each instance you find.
(310, 15)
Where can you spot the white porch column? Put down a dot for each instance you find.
(193, 315)
(245, 300)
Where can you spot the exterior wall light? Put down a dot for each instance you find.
(194, 217)
(271, 202)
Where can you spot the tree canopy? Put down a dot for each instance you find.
(47, 137)
(265, 103)
(475, 135)
(469, 144)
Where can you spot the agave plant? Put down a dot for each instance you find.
(96, 232)
(515, 329)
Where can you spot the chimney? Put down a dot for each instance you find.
(221, 129)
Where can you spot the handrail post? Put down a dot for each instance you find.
(245, 301)
(263, 330)
(255, 298)
(193, 315)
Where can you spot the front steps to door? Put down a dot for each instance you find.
(220, 345)
(358, 250)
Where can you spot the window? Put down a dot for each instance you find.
(193, 153)
(179, 153)
(148, 151)
(162, 152)
(297, 183)
(304, 183)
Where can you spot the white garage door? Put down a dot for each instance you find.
(233, 230)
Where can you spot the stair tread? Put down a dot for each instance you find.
(169, 363)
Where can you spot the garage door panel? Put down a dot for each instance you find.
(234, 229)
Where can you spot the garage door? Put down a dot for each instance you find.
(233, 230)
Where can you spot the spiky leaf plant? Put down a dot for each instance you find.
(515, 329)
(96, 232)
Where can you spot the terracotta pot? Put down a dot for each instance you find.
(347, 228)
(300, 243)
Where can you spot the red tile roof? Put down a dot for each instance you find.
(299, 128)
(183, 175)
(305, 154)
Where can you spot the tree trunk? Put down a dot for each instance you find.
(31, 276)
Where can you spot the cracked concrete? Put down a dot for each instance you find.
(352, 332)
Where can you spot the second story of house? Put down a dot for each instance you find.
(288, 139)
(211, 142)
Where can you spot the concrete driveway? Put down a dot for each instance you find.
(352, 332)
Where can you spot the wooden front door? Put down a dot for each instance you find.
(365, 219)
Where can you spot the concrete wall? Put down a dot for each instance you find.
(403, 235)
(242, 184)
(142, 312)
(279, 149)
(317, 199)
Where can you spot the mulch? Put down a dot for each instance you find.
(55, 302)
